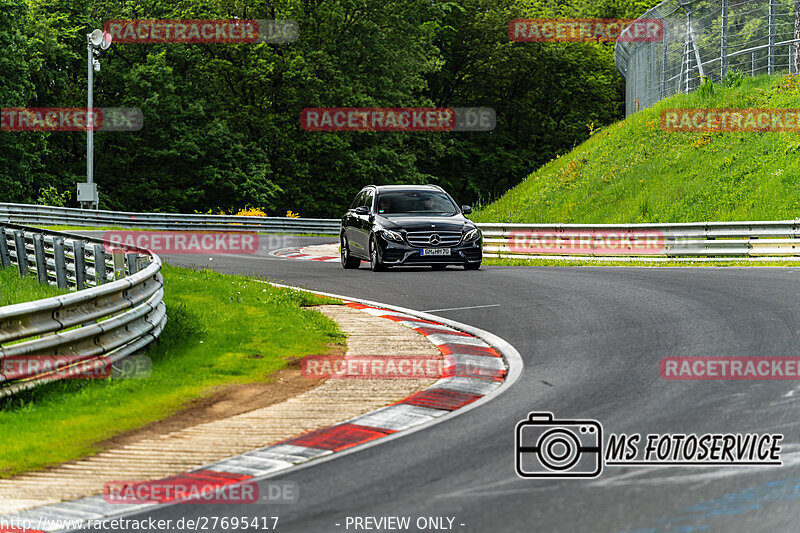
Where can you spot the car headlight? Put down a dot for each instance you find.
(472, 234)
(390, 235)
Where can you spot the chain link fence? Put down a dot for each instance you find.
(709, 38)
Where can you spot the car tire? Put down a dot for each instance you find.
(375, 262)
(472, 266)
(348, 261)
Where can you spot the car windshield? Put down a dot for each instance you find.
(429, 203)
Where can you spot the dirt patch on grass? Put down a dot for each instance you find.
(227, 401)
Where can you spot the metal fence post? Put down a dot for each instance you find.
(753, 67)
(691, 44)
(78, 249)
(22, 253)
(60, 261)
(724, 39)
(697, 57)
(796, 45)
(664, 66)
(41, 258)
(5, 257)
(99, 264)
(771, 39)
(685, 58)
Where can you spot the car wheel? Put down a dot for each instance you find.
(472, 266)
(348, 261)
(375, 262)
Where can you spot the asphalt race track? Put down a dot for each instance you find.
(591, 340)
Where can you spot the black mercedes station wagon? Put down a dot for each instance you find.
(409, 225)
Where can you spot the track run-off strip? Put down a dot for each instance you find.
(305, 253)
(483, 366)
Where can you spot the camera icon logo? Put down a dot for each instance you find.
(547, 448)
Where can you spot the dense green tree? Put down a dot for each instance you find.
(20, 152)
(221, 121)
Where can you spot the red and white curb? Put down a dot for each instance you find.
(303, 254)
(483, 366)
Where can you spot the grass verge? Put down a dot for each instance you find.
(221, 330)
(14, 289)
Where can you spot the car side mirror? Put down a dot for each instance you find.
(362, 210)
(466, 209)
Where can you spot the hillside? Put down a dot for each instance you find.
(633, 171)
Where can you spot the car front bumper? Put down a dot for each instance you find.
(402, 254)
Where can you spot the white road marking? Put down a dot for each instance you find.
(460, 308)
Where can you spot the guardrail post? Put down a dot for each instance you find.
(133, 264)
(99, 264)
(60, 260)
(78, 248)
(41, 258)
(22, 253)
(118, 257)
(5, 257)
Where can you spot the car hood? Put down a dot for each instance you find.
(456, 223)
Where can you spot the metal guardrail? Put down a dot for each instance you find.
(46, 215)
(710, 241)
(699, 241)
(116, 310)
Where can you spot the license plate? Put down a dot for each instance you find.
(435, 251)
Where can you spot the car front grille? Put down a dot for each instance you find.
(422, 239)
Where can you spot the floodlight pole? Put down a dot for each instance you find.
(92, 204)
(87, 192)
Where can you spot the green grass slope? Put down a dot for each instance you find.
(633, 171)
(15, 290)
(221, 330)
